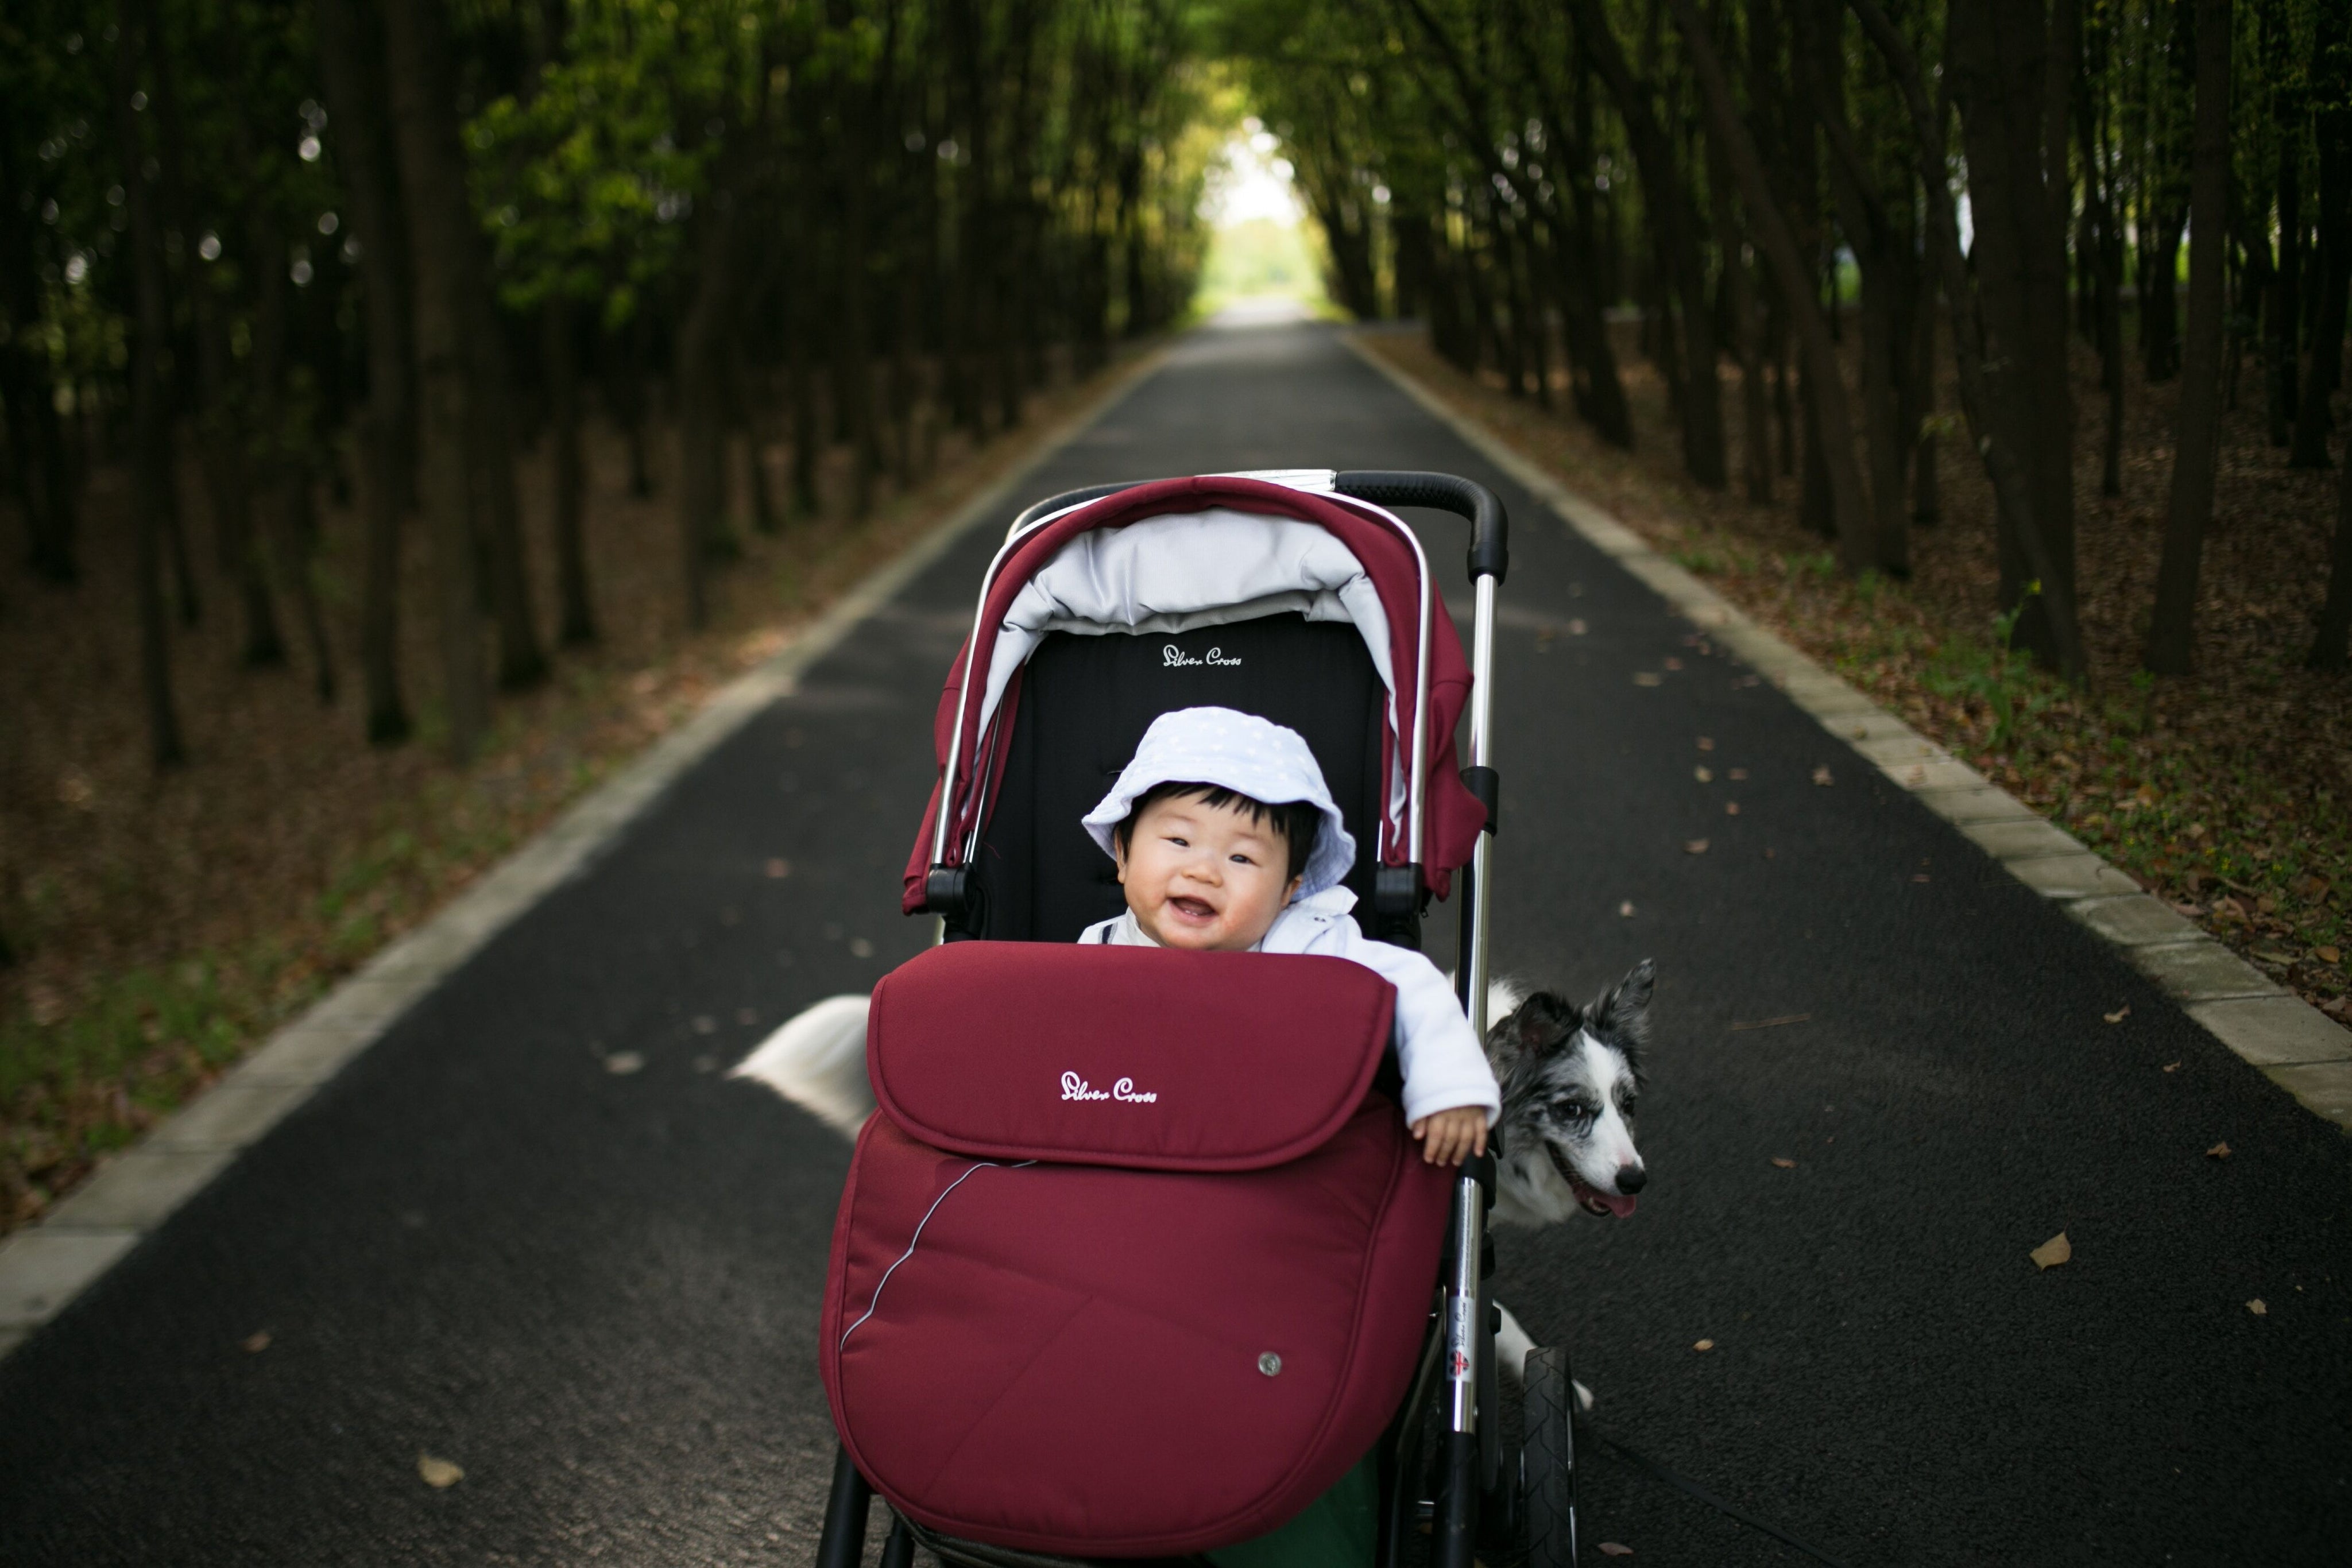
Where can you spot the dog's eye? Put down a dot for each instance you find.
(1575, 1110)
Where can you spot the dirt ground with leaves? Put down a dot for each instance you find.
(2224, 792)
(157, 927)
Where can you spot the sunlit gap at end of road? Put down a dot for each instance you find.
(1264, 267)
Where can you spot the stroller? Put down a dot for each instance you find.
(1068, 1319)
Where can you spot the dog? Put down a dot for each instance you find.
(1569, 1077)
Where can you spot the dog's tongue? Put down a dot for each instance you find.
(1622, 1208)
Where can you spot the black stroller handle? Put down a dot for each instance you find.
(1490, 527)
(1490, 547)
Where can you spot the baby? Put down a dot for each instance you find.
(1227, 840)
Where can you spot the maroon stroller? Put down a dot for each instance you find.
(1071, 1316)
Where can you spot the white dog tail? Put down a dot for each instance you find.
(817, 1061)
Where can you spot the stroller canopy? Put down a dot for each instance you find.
(1178, 555)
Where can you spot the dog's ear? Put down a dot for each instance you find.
(1541, 1024)
(1623, 1009)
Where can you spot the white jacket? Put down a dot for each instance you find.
(1442, 1066)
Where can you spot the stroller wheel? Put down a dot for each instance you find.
(1548, 1461)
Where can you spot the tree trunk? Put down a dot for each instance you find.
(433, 184)
(2323, 362)
(2011, 64)
(1409, 242)
(561, 359)
(349, 58)
(703, 532)
(1583, 281)
(1739, 288)
(2168, 201)
(490, 454)
(1667, 197)
(2285, 309)
(2328, 649)
(221, 433)
(2005, 464)
(2171, 633)
(150, 452)
(1927, 457)
(1822, 381)
(2102, 254)
(38, 462)
(1882, 254)
(800, 388)
(284, 485)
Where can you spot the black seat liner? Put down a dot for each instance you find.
(1086, 702)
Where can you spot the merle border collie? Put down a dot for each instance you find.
(1569, 1077)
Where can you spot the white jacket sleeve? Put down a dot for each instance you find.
(1442, 1066)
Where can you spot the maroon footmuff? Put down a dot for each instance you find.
(1133, 1261)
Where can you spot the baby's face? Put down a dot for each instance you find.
(1204, 877)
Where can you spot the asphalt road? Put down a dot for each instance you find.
(597, 1293)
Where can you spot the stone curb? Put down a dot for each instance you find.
(45, 1266)
(2294, 1044)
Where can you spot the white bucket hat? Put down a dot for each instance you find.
(1241, 752)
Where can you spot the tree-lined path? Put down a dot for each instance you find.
(596, 1291)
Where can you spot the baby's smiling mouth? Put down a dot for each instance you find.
(1192, 908)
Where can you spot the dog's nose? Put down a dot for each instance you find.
(1630, 1179)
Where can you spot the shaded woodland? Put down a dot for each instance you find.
(1825, 202)
(264, 256)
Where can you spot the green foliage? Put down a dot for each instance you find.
(1992, 673)
(1258, 258)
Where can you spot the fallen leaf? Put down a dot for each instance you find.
(1627, 908)
(257, 1342)
(621, 1063)
(1822, 775)
(1706, 743)
(2218, 1152)
(2328, 955)
(438, 1474)
(2259, 1307)
(1731, 808)
(1784, 1164)
(2273, 955)
(1704, 774)
(2172, 1067)
(1704, 1344)
(1695, 846)
(2052, 1252)
(1648, 678)
(779, 868)
(1613, 1549)
(2118, 1016)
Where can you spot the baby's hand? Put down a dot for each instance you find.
(1447, 1136)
